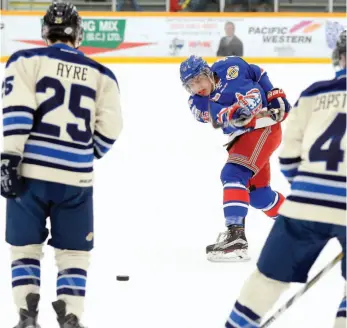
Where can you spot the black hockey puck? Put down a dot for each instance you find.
(123, 278)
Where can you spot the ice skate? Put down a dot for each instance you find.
(231, 246)
(28, 318)
(65, 321)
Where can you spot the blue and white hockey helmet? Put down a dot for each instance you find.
(192, 67)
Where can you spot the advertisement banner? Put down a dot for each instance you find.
(168, 36)
(256, 37)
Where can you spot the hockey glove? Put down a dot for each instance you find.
(240, 117)
(12, 184)
(278, 104)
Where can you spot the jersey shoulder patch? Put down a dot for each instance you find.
(228, 67)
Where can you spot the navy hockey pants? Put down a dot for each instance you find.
(293, 246)
(70, 210)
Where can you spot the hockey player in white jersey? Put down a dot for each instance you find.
(314, 161)
(60, 111)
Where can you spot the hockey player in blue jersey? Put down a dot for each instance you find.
(234, 96)
(315, 210)
(60, 111)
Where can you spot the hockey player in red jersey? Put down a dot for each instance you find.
(234, 95)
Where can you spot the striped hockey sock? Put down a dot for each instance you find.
(272, 210)
(26, 272)
(72, 282)
(71, 288)
(242, 317)
(235, 202)
(72, 279)
(26, 275)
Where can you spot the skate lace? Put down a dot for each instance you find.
(223, 236)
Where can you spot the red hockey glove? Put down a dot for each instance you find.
(278, 104)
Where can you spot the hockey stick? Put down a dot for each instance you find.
(292, 300)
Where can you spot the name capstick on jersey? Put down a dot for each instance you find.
(60, 110)
(313, 157)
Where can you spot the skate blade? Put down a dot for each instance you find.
(235, 256)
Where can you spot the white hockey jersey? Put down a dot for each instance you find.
(313, 157)
(60, 110)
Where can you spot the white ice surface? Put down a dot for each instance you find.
(157, 205)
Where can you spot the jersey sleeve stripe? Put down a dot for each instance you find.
(97, 153)
(16, 120)
(288, 167)
(19, 109)
(101, 139)
(16, 129)
(285, 161)
(101, 150)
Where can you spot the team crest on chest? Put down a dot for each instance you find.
(251, 100)
(232, 72)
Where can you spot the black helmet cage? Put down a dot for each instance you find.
(62, 22)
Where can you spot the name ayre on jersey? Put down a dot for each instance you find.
(74, 72)
(333, 99)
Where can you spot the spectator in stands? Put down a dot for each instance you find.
(230, 45)
(237, 5)
(248, 5)
(122, 5)
(261, 5)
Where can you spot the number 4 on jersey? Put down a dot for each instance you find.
(334, 154)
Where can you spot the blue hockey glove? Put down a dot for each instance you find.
(240, 117)
(12, 184)
(278, 104)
